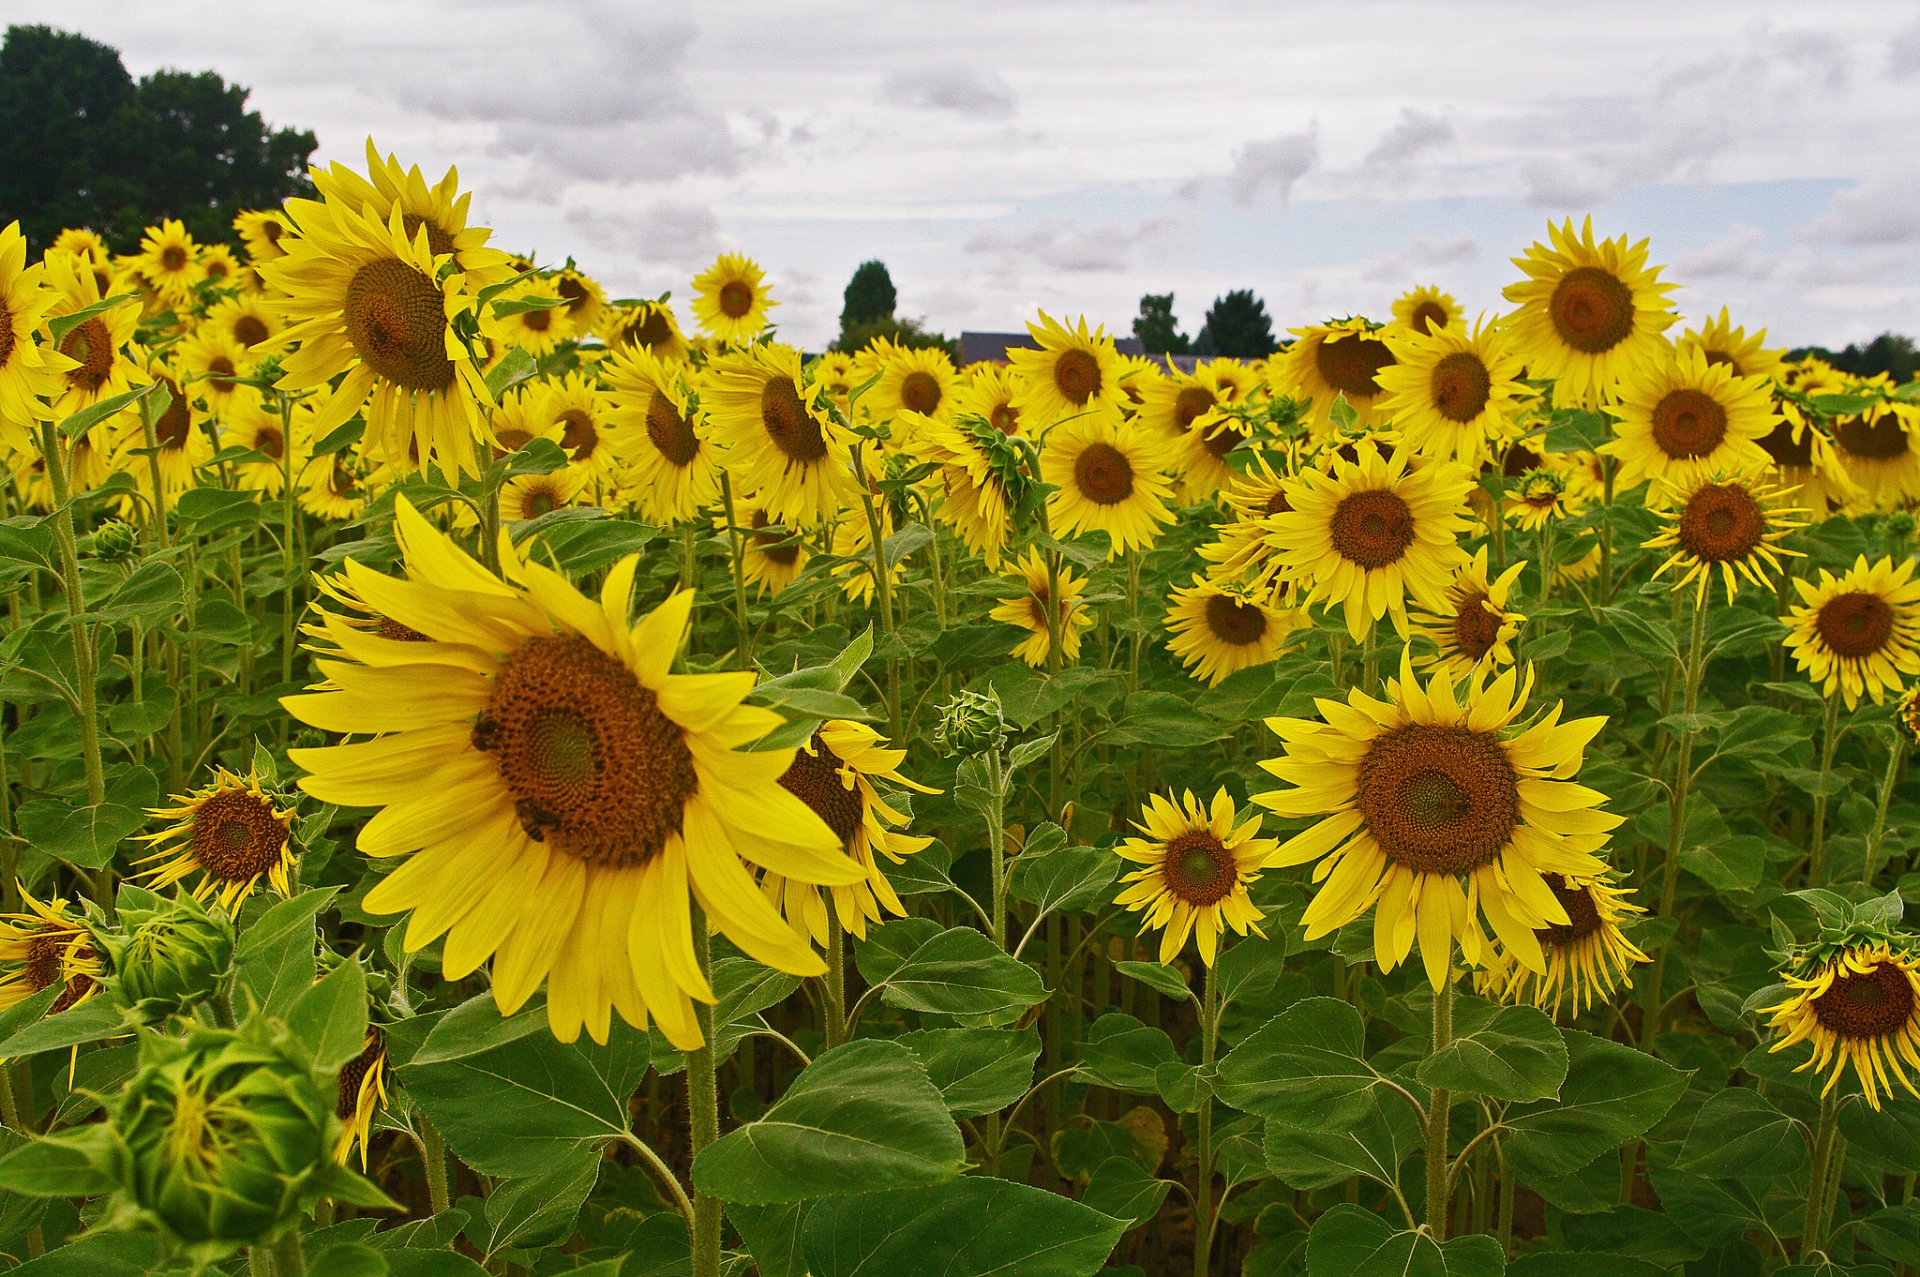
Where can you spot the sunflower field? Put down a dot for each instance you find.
(496, 781)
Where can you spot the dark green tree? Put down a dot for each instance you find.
(83, 144)
(869, 295)
(1156, 327)
(1889, 353)
(1237, 327)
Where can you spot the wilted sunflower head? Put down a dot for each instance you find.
(1856, 999)
(233, 832)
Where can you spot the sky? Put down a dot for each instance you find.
(1005, 158)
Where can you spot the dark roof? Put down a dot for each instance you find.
(975, 347)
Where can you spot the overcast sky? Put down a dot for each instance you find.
(1003, 158)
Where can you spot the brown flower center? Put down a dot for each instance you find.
(1785, 448)
(271, 442)
(539, 500)
(736, 299)
(1103, 474)
(1688, 424)
(1350, 365)
(1199, 869)
(538, 321)
(176, 423)
(272, 230)
(594, 768)
(1519, 460)
(438, 241)
(1721, 523)
(1427, 316)
(1476, 625)
(649, 329)
(1076, 375)
(1235, 622)
(776, 545)
(578, 435)
(248, 330)
(388, 628)
(396, 320)
(41, 967)
(669, 431)
(354, 1072)
(814, 778)
(1191, 404)
(793, 429)
(1591, 309)
(920, 391)
(235, 836)
(575, 292)
(1223, 437)
(1854, 624)
(1880, 439)
(1439, 800)
(173, 257)
(1004, 418)
(1371, 528)
(1460, 386)
(91, 345)
(1583, 915)
(6, 333)
(1877, 1004)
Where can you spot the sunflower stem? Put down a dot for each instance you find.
(288, 1259)
(1690, 678)
(836, 1002)
(883, 592)
(1437, 1111)
(703, 1107)
(738, 540)
(1896, 757)
(433, 1157)
(1813, 1231)
(1829, 744)
(1203, 1169)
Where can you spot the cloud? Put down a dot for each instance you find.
(1424, 254)
(1413, 134)
(1735, 255)
(1063, 244)
(1883, 209)
(1903, 53)
(664, 231)
(956, 89)
(1273, 165)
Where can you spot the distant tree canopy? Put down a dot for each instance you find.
(1237, 327)
(1889, 353)
(84, 144)
(901, 332)
(869, 295)
(1156, 327)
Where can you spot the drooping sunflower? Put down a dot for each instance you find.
(440, 210)
(776, 439)
(1588, 956)
(362, 1093)
(29, 368)
(260, 230)
(1364, 534)
(731, 299)
(1434, 816)
(1858, 633)
(1591, 314)
(972, 479)
(556, 794)
(1880, 450)
(1450, 391)
(1035, 608)
(1859, 1005)
(1723, 343)
(1342, 359)
(1199, 457)
(669, 470)
(332, 488)
(1074, 374)
(989, 394)
(88, 466)
(169, 259)
(834, 775)
(1219, 630)
(1475, 627)
(911, 379)
(648, 325)
(232, 831)
(1107, 476)
(1196, 867)
(1541, 496)
(1732, 524)
(1684, 416)
(368, 301)
(1425, 309)
(48, 945)
(538, 330)
(99, 365)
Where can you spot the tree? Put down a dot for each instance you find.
(1156, 327)
(869, 295)
(1889, 353)
(83, 144)
(1237, 327)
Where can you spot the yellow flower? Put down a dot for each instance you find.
(30, 369)
(973, 492)
(44, 947)
(440, 210)
(528, 496)
(586, 300)
(989, 394)
(1426, 310)
(1684, 416)
(1591, 314)
(1858, 633)
(773, 555)
(260, 232)
(232, 832)
(911, 379)
(648, 325)
(1731, 524)
(775, 437)
(1541, 496)
(1074, 375)
(1880, 450)
(1588, 956)
(169, 259)
(1338, 360)
(1218, 631)
(1450, 390)
(1106, 476)
(535, 331)
(1860, 1007)
(1037, 610)
(97, 363)
(1475, 628)
(583, 411)
(362, 1091)
(1722, 343)
(1196, 868)
(670, 471)
(250, 424)
(731, 299)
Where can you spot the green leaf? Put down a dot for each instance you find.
(962, 973)
(274, 962)
(861, 1116)
(1894, 1232)
(1304, 1067)
(1376, 1146)
(91, 1021)
(87, 418)
(1163, 980)
(1737, 1133)
(431, 1263)
(976, 1226)
(1070, 880)
(1121, 1052)
(350, 1188)
(1029, 750)
(1120, 1187)
(514, 367)
(349, 1259)
(331, 1017)
(73, 1163)
(538, 1210)
(1612, 1094)
(1515, 1053)
(85, 837)
(98, 1255)
(284, 919)
(522, 305)
(772, 1235)
(1585, 1263)
(977, 1071)
(60, 325)
(1349, 1241)
(1161, 718)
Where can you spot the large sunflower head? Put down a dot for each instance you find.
(670, 472)
(30, 368)
(1219, 630)
(48, 945)
(1729, 525)
(1588, 956)
(1475, 627)
(439, 211)
(1106, 475)
(1196, 865)
(1074, 374)
(1426, 310)
(232, 832)
(1341, 359)
(1435, 812)
(649, 325)
(556, 796)
(1858, 634)
(731, 299)
(1450, 391)
(777, 439)
(1590, 315)
(1681, 416)
(1857, 1004)
(1039, 608)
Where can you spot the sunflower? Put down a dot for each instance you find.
(1365, 533)
(1804, 458)
(731, 299)
(520, 418)
(1030, 611)
(368, 301)
(1240, 551)
(1198, 865)
(332, 488)
(669, 469)
(1342, 359)
(1588, 956)
(1722, 343)
(555, 792)
(911, 379)
(586, 300)
(88, 466)
(1073, 374)
(98, 365)
(1880, 451)
(232, 832)
(78, 239)
(1591, 314)
(972, 479)
(1434, 815)
(1449, 391)
(44, 947)
(775, 436)
(773, 556)
(1907, 714)
(648, 325)
(30, 370)
(362, 1093)
(1541, 496)
(1106, 475)
(528, 496)
(1200, 456)
(583, 411)
(539, 330)
(219, 266)
(439, 210)
(1684, 416)
(211, 363)
(246, 320)
(1425, 309)
(851, 544)
(1474, 629)
(837, 373)
(169, 260)
(179, 433)
(1858, 633)
(834, 775)
(1219, 630)
(1734, 524)
(1170, 405)
(260, 232)
(250, 424)
(1860, 1006)
(989, 394)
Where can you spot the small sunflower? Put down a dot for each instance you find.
(179, 433)
(731, 299)
(1475, 628)
(1858, 633)
(1588, 956)
(30, 369)
(1880, 451)
(1219, 631)
(1342, 359)
(1591, 314)
(232, 832)
(1074, 374)
(332, 488)
(528, 496)
(583, 411)
(1107, 476)
(1804, 458)
(169, 259)
(1197, 866)
(47, 946)
(1171, 405)
(1860, 1006)
(910, 379)
(78, 239)
(834, 775)
(1434, 815)
(1030, 611)
(539, 330)
(211, 363)
(989, 394)
(972, 479)
(558, 798)
(1722, 343)
(1240, 552)
(1907, 714)
(773, 555)
(1368, 532)
(1683, 416)
(837, 372)
(851, 545)
(1426, 310)
(648, 325)
(1541, 496)
(362, 1093)
(260, 232)
(586, 300)
(219, 267)
(775, 436)
(245, 319)
(250, 424)
(1449, 391)
(1731, 524)
(670, 471)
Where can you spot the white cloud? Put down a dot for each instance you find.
(1414, 134)
(1271, 166)
(664, 231)
(1735, 255)
(956, 89)
(1424, 254)
(1066, 245)
(1903, 53)
(1883, 209)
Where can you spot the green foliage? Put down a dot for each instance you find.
(869, 296)
(1157, 328)
(1237, 327)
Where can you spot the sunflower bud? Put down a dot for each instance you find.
(170, 957)
(1900, 525)
(114, 541)
(971, 723)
